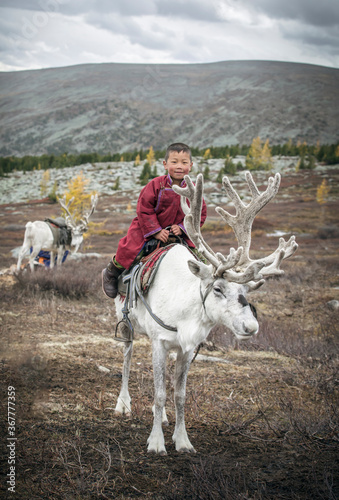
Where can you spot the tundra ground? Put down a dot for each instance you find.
(263, 418)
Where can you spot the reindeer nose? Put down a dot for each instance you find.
(242, 300)
(250, 328)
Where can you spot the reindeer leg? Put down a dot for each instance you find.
(22, 254)
(156, 441)
(180, 438)
(123, 405)
(35, 251)
(51, 260)
(164, 415)
(60, 254)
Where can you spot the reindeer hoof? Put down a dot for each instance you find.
(186, 450)
(126, 414)
(156, 444)
(161, 453)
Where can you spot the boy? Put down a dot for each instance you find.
(158, 208)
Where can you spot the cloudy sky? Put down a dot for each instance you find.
(50, 33)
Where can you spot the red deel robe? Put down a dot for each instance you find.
(158, 207)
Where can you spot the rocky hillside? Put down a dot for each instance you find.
(119, 107)
(118, 179)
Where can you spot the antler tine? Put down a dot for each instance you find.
(193, 216)
(69, 219)
(237, 266)
(190, 192)
(251, 273)
(284, 251)
(86, 216)
(242, 221)
(194, 193)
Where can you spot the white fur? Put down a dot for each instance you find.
(39, 236)
(175, 298)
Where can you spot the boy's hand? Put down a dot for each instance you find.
(176, 230)
(162, 235)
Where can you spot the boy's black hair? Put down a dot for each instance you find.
(178, 147)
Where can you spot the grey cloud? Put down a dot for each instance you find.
(312, 24)
(314, 12)
(158, 38)
(314, 36)
(123, 7)
(36, 5)
(190, 9)
(178, 30)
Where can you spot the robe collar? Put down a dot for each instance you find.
(170, 182)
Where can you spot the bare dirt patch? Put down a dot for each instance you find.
(264, 424)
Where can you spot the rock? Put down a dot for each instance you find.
(103, 369)
(333, 305)
(288, 312)
(79, 256)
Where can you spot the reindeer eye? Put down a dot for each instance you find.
(217, 290)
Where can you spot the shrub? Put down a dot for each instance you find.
(72, 280)
(328, 232)
(53, 197)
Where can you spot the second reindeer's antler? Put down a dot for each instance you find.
(86, 216)
(82, 227)
(237, 266)
(69, 219)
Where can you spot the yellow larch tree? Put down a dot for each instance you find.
(266, 156)
(82, 199)
(44, 183)
(259, 157)
(150, 157)
(322, 192)
(137, 160)
(254, 154)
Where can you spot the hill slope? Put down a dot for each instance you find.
(119, 107)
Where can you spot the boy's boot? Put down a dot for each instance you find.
(110, 277)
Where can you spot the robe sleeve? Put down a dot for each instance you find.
(147, 217)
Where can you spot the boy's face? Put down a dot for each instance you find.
(178, 165)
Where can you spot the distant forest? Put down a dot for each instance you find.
(327, 154)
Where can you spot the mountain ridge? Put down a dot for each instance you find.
(111, 107)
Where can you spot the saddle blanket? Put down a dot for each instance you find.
(150, 267)
(147, 272)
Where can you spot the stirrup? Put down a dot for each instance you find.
(127, 322)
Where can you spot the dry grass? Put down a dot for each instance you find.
(265, 425)
(74, 280)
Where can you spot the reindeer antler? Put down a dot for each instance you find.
(237, 266)
(69, 219)
(242, 221)
(86, 216)
(222, 265)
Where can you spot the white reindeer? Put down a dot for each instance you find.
(193, 297)
(39, 236)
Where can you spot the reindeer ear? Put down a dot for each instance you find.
(199, 269)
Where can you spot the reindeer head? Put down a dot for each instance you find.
(226, 281)
(78, 230)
